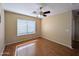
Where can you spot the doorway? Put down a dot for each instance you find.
(75, 40)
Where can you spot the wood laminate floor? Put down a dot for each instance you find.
(39, 47)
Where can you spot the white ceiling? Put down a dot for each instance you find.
(28, 8)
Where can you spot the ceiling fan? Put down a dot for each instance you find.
(40, 12)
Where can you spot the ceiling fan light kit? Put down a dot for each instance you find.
(40, 12)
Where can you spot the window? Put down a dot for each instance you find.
(25, 27)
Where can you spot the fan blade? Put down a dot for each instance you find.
(46, 12)
(41, 8)
(44, 15)
(34, 12)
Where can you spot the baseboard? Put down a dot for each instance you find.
(19, 41)
(12, 42)
(59, 43)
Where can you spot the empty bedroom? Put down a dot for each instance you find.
(39, 29)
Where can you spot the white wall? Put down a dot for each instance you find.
(58, 28)
(1, 29)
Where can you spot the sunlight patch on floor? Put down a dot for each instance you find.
(26, 50)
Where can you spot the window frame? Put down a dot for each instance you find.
(27, 26)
